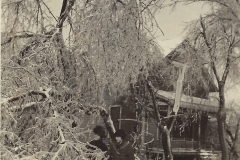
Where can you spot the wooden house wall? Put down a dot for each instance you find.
(212, 134)
(88, 122)
(191, 138)
(124, 117)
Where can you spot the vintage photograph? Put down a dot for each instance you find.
(120, 80)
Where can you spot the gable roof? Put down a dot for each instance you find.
(182, 53)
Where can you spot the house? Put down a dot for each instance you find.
(194, 134)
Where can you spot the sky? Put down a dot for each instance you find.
(173, 23)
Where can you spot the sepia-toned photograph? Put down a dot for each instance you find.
(120, 80)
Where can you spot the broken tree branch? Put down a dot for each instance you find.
(24, 35)
(43, 93)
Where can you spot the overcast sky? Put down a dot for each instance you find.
(173, 23)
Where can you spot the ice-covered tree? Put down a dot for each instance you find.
(48, 80)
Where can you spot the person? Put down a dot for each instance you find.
(98, 140)
(120, 148)
(97, 143)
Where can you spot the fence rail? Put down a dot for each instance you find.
(185, 144)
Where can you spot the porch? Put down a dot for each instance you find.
(183, 150)
(184, 146)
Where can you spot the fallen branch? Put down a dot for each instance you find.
(44, 93)
(24, 35)
(20, 67)
(28, 105)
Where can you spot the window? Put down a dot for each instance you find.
(116, 114)
(185, 130)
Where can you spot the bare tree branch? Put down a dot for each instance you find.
(209, 50)
(49, 10)
(227, 67)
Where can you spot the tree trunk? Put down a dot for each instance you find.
(66, 62)
(166, 143)
(222, 124)
(222, 137)
(164, 128)
(234, 152)
(65, 59)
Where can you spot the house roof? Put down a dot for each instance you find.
(191, 102)
(182, 53)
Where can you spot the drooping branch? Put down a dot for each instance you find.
(23, 68)
(43, 93)
(25, 106)
(23, 35)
